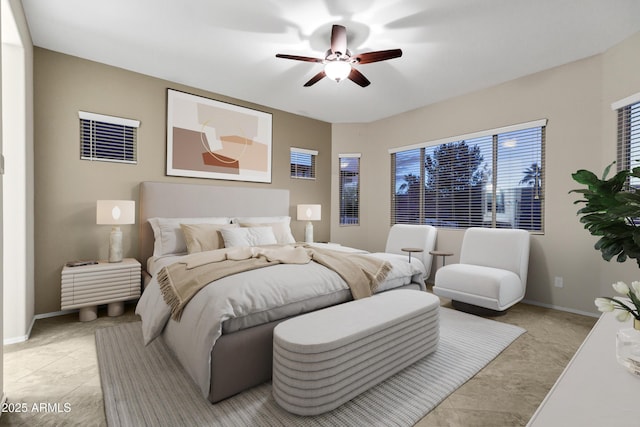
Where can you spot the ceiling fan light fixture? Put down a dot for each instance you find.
(338, 61)
(337, 70)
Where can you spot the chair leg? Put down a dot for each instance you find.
(477, 310)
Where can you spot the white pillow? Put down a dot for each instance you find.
(248, 236)
(281, 226)
(261, 219)
(169, 238)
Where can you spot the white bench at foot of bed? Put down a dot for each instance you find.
(326, 358)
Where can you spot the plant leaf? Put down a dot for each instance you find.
(586, 177)
(607, 169)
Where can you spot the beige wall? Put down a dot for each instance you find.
(575, 99)
(620, 79)
(66, 188)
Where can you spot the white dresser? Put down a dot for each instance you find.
(86, 287)
(593, 390)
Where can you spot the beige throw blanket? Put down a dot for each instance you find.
(180, 281)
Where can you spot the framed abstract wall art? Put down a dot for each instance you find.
(217, 140)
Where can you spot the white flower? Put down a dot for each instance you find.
(622, 315)
(636, 287)
(621, 288)
(604, 304)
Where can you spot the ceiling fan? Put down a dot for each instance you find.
(338, 61)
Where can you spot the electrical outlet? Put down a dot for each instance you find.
(559, 282)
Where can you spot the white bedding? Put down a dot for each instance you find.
(250, 298)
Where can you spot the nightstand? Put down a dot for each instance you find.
(111, 283)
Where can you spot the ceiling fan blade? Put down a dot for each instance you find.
(315, 79)
(339, 39)
(358, 78)
(380, 55)
(298, 58)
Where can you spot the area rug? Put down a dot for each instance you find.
(147, 386)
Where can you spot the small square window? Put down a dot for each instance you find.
(108, 138)
(303, 163)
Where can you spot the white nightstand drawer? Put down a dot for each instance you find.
(102, 283)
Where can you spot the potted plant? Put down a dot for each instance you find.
(612, 211)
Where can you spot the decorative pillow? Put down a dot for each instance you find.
(169, 238)
(283, 232)
(249, 236)
(204, 237)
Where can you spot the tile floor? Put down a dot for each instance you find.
(56, 369)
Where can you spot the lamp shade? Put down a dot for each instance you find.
(309, 212)
(116, 212)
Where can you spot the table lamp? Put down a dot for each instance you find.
(309, 213)
(115, 212)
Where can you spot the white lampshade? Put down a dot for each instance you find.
(116, 212)
(337, 70)
(309, 212)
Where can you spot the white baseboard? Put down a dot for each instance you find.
(55, 313)
(556, 307)
(23, 338)
(16, 340)
(19, 339)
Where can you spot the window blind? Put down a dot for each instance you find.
(303, 163)
(406, 168)
(108, 138)
(487, 180)
(519, 180)
(628, 145)
(456, 174)
(349, 189)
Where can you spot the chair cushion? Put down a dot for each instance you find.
(491, 283)
(507, 249)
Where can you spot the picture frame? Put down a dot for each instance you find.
(217, 140)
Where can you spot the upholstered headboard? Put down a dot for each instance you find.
(170, 200)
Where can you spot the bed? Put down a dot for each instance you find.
(225, 344)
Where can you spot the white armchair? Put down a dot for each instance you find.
(413, 236)
(492, 272)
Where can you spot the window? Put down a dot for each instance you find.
(486, 179)
(303, 163)
(628, 151)
(107, 138)
(349, 189)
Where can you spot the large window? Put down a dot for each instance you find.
(629, 138)
(486, 179)
(349, 189)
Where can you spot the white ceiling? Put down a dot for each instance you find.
(450, 47)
